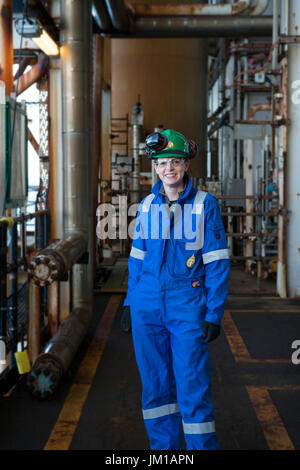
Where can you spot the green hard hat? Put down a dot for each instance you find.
(169, 143)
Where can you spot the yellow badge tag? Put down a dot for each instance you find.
(191, 261)
(170, 144)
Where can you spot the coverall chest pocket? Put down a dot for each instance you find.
(184, 261)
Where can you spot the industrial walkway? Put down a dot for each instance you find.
(256, 386)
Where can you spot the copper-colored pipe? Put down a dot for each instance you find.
(34, 74)
(53, 308)
(258, 107)
(6, 45)
(23, 64)
(33, 318)
(33, 141)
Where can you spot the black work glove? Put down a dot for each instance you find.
(210, 331)
(125, 322)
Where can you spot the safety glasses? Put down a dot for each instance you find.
(174, 162)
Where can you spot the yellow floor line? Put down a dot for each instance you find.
(236, 342)
(63, 431)
(270, 421)
(237, 345)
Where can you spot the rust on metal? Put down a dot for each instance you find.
(53, 308)
(239, 7)
(33, 75)
(258, 107)
(33, 318)
(188, 9)
(33, 141)
(6, 45)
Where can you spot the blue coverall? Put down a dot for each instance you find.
(178, 277)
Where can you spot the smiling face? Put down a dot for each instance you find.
(171, 171)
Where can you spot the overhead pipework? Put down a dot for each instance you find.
(252, 7)
(195, 20)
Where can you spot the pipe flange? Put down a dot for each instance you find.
(44, 377)
(44, 269)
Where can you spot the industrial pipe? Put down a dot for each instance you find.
(100, 15)
(255, 7)
(76, 61)
(54, 262)
(118, 15)
(50, 366)
(198, 26)
(36, 72)
(6, 45)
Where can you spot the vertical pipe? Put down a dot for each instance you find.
(249, 202)
(13, 288)
(97, 101)
(76, 64)
(292, 161)
(275, 33)
(3, 276)
(136, 139)
(259, 231)
(6, 45)
(33, 321)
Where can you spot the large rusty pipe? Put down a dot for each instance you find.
(50, 366)
(6, 45)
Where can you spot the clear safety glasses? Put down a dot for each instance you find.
(174, 162)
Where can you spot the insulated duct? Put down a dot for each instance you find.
(76, 62)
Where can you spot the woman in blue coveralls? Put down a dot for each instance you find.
(177, 287)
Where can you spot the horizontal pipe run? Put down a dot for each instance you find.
(23, 217)
(54, 262)
(53, 363)
(225, 9)
(189, 26)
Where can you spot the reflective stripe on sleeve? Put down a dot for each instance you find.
(198, 428)
(159, 411)
(147, 202)
(136, 253)
(215, 255)
(199, 202)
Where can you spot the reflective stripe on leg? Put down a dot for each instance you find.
(199, 428)
(159, 411)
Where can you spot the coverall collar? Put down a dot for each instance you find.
(182, 195)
